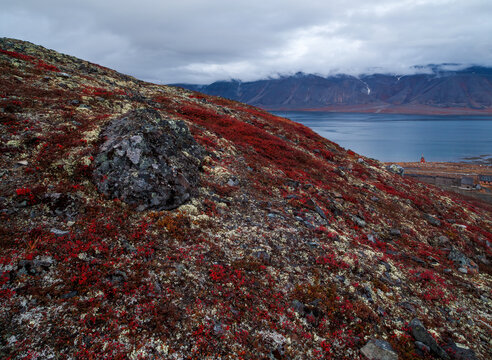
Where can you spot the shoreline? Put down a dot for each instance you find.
(463, 178)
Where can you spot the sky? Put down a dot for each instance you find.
(202, 41)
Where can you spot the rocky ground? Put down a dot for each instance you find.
(141, 221)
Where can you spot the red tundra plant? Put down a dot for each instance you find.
(40, 64)
(27, 194)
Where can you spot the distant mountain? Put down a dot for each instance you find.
(439, 91)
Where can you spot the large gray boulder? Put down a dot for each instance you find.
(148, 161)
(421, 334)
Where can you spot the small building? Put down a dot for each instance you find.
(467, 183)
(485, 179)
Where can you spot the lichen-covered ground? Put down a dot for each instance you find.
(292, 248)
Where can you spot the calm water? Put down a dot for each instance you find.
(389, 137)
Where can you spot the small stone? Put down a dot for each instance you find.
(386, 265)
(44, 262)
(308, 225)
(396, 169)
(443, 240)
(233, 182)
(409, 307)
(59, 232)
(432, 260)
(462, 262)
(379, 350)
(358, 221)
(128, 247)
(395, 232)
(320, 212)
(262, 255)
(340, 278)
(117, 277)
(69, 295)
(180, 270)
(26, 267)
(432, 220)
(417, 259)
(218, 329)
(298, 306)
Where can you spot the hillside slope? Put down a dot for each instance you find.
(141, 221)
(465, 91)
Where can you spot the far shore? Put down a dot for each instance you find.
(393, 109)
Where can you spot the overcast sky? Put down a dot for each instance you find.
(201, 41)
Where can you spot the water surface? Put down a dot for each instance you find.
(394, 137)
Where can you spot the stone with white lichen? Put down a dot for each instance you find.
(379, 350)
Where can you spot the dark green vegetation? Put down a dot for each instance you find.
(290, 247)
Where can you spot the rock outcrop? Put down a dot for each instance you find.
(148, 161)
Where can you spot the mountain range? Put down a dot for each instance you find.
(434, 90)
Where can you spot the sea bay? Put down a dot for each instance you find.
(398, 137)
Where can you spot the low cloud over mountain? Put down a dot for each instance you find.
(435, 88)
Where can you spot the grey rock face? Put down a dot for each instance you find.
(148, 161)
(421, 334)
(379, 350)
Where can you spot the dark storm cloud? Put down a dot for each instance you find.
(202, 41)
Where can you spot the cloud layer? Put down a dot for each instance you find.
(200, 41)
